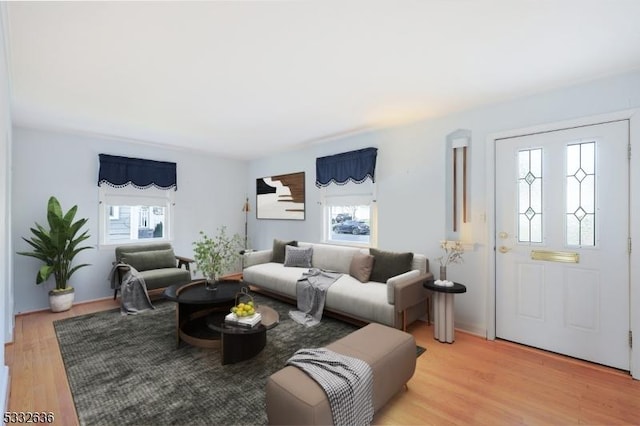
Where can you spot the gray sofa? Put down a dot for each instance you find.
(396, 302)
(156, 262)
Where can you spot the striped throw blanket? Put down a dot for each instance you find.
(347, 381)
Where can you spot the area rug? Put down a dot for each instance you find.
(129, 370)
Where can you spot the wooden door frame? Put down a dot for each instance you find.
(633, 115)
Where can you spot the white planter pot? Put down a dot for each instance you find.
(61, 301)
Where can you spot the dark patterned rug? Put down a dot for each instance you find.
(128, 370)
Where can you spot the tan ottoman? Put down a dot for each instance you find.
(293, 398)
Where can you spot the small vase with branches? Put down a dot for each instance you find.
(453, 251)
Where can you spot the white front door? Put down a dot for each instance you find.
(562, 241)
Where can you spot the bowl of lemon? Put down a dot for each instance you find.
(244, 310)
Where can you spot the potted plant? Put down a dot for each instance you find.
(215, 255)
(57, 247)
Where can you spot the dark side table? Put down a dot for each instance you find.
(443, 329)
(240, 343)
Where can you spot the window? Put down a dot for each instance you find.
(348, 197)
(129, 215)
(136, 199)
(349, 215)
(530, 195)
(581, 194)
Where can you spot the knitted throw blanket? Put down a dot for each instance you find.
(311, 292)
(347, 381)
(133, 290)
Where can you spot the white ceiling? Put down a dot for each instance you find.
(244, 79)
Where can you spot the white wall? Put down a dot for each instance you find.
(211, 192)
(6, 294)
(411, 179)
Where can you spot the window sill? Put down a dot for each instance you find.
(348, 244)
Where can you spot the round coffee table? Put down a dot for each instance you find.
(239, 343)
(195, 305)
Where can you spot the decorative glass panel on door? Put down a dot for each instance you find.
(530, 196)
(581, 194)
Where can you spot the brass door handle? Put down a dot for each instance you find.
(503, 249)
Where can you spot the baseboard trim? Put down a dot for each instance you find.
(471, 329)
(4, 387)
(83, 302)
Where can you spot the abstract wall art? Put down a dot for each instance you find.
(280, 197)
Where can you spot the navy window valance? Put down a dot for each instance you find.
(353, 166)
(122, 171)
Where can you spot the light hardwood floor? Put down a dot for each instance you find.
(472, 381)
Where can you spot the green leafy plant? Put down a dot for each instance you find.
(58, 246)
(215, 255)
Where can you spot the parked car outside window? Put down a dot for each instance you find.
(351, 227)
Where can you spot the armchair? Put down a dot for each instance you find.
(156, 262)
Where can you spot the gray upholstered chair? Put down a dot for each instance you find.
(156, 262)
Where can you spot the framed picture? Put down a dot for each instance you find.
(280, 197)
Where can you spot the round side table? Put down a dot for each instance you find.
(443, 329)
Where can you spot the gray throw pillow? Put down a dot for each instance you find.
(298, 256)
(278, 249)
(388, 264)
(152, 259)
(361, 267)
